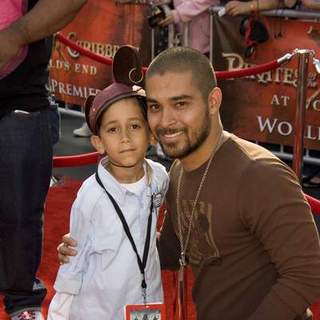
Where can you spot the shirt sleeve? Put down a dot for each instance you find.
(186, 10)
(69, 278)
(60, 306)
(275, 210)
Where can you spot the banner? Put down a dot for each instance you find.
(262, 107)
(102, 27)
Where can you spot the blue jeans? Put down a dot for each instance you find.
(25, 171)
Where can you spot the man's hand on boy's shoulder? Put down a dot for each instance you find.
(66, 249)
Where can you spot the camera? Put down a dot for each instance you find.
(254, 32)
(158, 13)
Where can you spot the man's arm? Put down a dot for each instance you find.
(45, 18)
(278, 215)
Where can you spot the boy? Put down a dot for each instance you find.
(118, 262)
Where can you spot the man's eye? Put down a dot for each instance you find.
(153, 107)
(181, 104)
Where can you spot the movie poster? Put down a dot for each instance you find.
(101, 27)
(262, 107)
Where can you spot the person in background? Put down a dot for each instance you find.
(311, 4)
(303, 4)
(235, 7)
(25, 144)
(83, 131)
(195, 13)
(236, 214)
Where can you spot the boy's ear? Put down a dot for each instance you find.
(96, 142)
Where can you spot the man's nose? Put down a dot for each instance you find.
(167, 118)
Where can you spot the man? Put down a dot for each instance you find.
(25, 144)
(236, 213)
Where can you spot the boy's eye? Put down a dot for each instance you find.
(112, 130)
(135, 126)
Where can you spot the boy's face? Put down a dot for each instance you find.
(124, 134)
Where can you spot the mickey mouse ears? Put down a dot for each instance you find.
(127, 67)
(127, 72)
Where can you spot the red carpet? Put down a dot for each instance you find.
(58, 206)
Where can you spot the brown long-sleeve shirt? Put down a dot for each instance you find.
(254, 248)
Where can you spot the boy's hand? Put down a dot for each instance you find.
(66, 249)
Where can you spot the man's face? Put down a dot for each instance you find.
(177, 113)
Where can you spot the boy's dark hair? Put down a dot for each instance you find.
(182, 59)
(143, 107)
(95, 106)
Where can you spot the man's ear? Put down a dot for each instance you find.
(96, 142)
(214, 100)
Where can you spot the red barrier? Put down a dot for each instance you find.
(314, 204)
(91, 158)
(76, 160)
(220, 74)
(85, 52)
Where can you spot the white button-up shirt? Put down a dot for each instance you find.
(104, 275)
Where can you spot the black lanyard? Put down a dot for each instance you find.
(141, 263)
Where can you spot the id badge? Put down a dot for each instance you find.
(152, 311)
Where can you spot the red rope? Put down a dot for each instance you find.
(220, 74)
(86, 52)
(76, 160)
(314, 204)
(91, 158)
(83, 51)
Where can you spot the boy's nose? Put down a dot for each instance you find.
(125, 136)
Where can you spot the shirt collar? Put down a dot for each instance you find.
(118, 191)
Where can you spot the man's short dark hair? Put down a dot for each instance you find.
(181, 59)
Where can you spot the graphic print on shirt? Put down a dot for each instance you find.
(201, 244)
